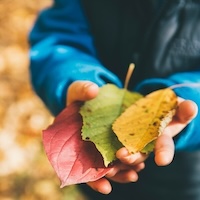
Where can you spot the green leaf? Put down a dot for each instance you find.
(98, 116)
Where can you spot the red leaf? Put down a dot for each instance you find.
(74, 160)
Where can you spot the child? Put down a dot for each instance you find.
(79, 45)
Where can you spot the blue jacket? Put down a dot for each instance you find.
(63, 50)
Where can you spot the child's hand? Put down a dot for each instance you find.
(123, 171)
(164, 148)
(127, 168)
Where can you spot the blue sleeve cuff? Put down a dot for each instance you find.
(61, 66)
(62, 51)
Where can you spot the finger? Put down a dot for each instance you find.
(102, 185)
(164, 150)
(118, 167)
(81, 91)
(139, 167)
(125, 176)
(186, 111)
(130, 159)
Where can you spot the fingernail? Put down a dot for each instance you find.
(90, 86)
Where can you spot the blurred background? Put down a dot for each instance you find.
(25, 173)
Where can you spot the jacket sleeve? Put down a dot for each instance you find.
(62, 51)
(189, 138)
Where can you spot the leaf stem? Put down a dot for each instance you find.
(129, 74)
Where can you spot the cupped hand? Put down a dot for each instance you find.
(128, 165)
(164, 147)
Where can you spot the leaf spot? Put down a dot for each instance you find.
(155, 123)
(88, 110)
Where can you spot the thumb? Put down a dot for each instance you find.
(186, 111)
(81, 91)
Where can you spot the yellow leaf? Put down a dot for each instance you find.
(145, 120)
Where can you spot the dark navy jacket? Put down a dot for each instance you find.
(96, 40)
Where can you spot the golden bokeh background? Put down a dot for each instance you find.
(25, 172)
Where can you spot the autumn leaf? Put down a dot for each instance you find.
(145, 120)
(100, 113)
(69, 155)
